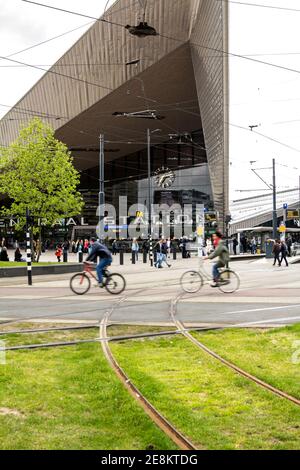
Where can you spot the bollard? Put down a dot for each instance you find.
(121, 258)
(174, 254)
(133, 257)
(144, 257)
(80, 257)
(65, 256)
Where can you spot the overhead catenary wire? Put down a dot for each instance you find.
(260, 5)
(202, 46)
(102, 19)
(46, 41)
(57, 73)
(237, 55)
(265, 137)
(174, 39)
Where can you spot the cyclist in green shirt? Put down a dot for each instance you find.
(221, 252)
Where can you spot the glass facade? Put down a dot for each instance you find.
(128, 176)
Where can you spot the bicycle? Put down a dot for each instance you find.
(192, 281)
(80, 283)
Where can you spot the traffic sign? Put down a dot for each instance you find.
(282, 228)
(285, 206)
(200, 231)
(292, 214)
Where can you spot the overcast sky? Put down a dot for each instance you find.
(263, 95)
(260, 94)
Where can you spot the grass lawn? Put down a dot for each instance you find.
(211, 404)
(264, 353)
(69, 398)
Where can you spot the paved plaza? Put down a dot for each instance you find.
(267, 296)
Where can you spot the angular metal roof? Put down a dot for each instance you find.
(179, 75)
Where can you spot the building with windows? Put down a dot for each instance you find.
(177, 79)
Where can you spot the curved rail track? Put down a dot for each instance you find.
(185, 332)
(179, 439)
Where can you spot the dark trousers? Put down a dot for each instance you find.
(283, 257)
(276, 258)
(101, 266)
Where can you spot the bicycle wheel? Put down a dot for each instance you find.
(191, 282)
(229, 281)
(115, 284)
(80, 283)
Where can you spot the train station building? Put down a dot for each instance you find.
(171, 83)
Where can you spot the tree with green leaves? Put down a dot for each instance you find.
(37, 172)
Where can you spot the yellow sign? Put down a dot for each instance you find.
(282, 228)
(292, 214)
(200, 231)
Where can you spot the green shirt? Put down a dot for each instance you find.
(222, 252)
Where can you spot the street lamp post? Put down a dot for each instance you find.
(101, 184)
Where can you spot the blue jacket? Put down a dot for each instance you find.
(99, 251)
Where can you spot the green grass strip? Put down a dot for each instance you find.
(270, 355)
(206, 401)
(13, 264)
(69, 398)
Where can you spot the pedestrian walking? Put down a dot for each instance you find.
(79, 246)
(58, 253)
(244, 243)
(234, 245)
(145, 246)
(289, 243)
(135, 249)
(115, 247)
(253, 246)
(183, 243)
(276, 250)
(284, 252)
(86, 246)
(168, 242)
(162, 252)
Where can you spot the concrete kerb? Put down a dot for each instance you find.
(66, 268)
(16, 271)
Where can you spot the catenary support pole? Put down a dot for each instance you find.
(28, 248)
(299, 202)
(274, 203)
(149, 197)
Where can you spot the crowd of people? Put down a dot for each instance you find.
(4, 253)
(250, 245)
(247, 245)
(163, 248)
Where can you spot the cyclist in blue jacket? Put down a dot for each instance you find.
(98, 250)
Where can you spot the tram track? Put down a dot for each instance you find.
(185, 332)
(104, 339)
(179, 439)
